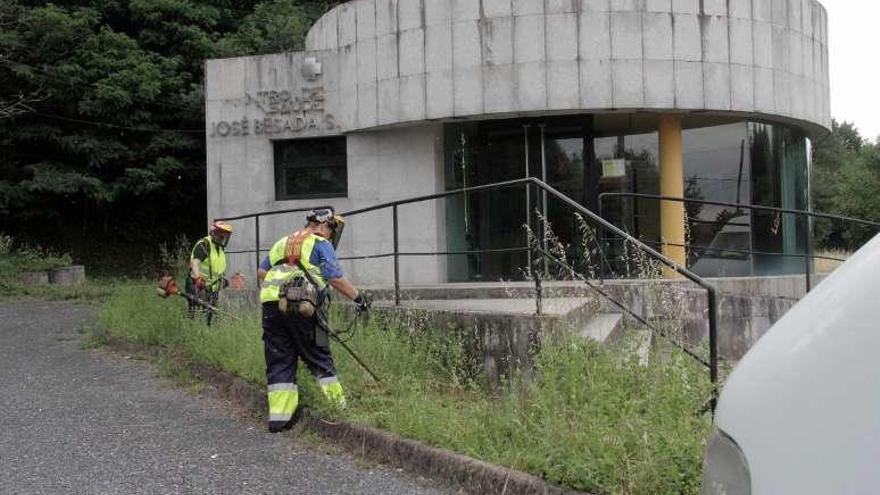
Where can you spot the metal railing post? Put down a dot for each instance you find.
(396, 259)
(257, 245)
(808, 250)
(257, 239)
(713, 344)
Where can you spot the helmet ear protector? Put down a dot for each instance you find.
(329, 217)
(220, 233)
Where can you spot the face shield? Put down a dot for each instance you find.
(220, 238)
(337, 226)
(220, 233)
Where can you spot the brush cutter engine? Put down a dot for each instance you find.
(299, 296)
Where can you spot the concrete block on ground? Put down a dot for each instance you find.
(33, 278)
(68, 275)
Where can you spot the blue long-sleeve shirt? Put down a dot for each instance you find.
(322, 256)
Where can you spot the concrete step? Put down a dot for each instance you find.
(602, 327)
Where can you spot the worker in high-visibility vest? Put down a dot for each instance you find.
(298, 271)
(207, 268)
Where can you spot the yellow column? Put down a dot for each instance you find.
(672, 216)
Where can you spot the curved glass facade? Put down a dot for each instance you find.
(745, 163)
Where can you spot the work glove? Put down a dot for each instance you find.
(363, 301)
(199, 283)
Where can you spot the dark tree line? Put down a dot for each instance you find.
(846, 181)
(102, 145)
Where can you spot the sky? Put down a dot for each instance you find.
(854, 53)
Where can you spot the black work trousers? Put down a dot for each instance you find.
(287, 338)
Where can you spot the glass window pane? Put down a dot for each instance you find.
(311, 168)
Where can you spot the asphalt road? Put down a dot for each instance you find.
(88, 421)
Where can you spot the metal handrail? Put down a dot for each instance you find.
(572, 204)
(808, 244)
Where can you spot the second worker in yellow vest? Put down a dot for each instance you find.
(207, 267)
(292, 324)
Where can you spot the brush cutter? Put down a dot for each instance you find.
(168, 287)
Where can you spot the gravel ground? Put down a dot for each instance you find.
(87, 421)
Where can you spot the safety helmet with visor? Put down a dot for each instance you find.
(327, 216)
(220, 233)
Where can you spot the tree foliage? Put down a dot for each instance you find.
(846, 181)
(102, 114)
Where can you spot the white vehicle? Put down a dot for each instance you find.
(800, 414)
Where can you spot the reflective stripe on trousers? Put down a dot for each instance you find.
(283, 399)
(332, 390)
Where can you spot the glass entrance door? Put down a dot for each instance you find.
(556, 152)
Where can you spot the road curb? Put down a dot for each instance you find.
(469, 474)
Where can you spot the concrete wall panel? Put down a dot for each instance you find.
(465, 47)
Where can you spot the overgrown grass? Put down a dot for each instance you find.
(591, 419)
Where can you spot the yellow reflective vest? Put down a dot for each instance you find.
(212, 268)
(281, 273)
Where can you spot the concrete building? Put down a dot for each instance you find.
(396, 98)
